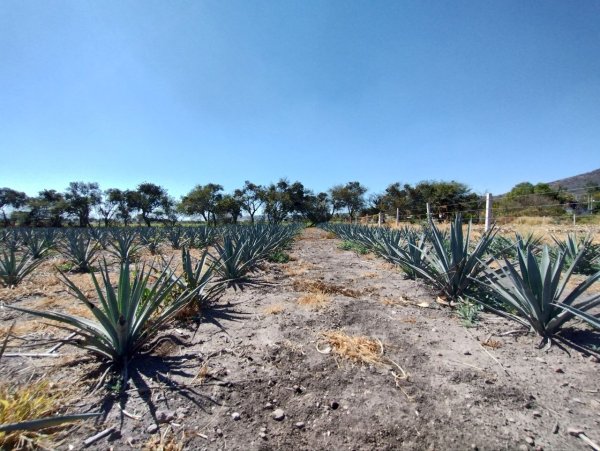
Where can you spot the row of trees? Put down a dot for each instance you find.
(542, 199)
(81, 203)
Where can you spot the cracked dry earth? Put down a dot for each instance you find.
(262, 349)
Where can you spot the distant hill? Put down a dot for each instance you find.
(578, 181)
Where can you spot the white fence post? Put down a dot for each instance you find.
(397, 216)
(428, 212)
(488, 211)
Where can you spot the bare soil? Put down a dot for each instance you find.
(216, 384)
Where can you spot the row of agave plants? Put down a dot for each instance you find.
(127, 318)
(22, 250)
(522, 279)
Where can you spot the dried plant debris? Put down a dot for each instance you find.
(359, 349)
(318, 286)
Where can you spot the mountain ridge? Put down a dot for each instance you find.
(577, 182)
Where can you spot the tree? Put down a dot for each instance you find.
(375, 204)
(46, 210)
(317, 208)
(10, 198)
(349, 196)
(110, 205)
(81, 198)
(282, 199)
(147, 198)
(119, 203)
(526, 199)
(202, 200)
(228, 208)
(251, 198)
(167, 211)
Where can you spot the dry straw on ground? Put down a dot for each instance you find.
(318, 286)
(359, 349)
(274, 309)
(314, 300)
(34, 400)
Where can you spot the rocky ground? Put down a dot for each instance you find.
(259, 372)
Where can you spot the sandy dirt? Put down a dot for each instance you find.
(218, 384)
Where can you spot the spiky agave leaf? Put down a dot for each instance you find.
(535, 287)
(452, 263)
(589, 261)
(123, 244)
(126, 318)
(38, 242)
(151, 237)
(592, 320)
(177, 236)
(80, 248)
(15, 267)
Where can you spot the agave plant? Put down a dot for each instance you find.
(176, 236)
(233, 261)
(14, 267)
(535, 288)
(589, 261)
(38, 243)
(127, 318)
(123, 244)
(151, 238)
(100, 235)
(12, 240)
(80, 249)
(408, 255)
(503, 247)
(451, 263)
(202, 237)
(196, 276)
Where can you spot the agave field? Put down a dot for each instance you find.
(279, 337)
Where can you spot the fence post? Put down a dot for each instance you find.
(488, 211)
(574, 216)
(397, 216)
(428, 212)
(379, 219)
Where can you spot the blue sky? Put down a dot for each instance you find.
(179, 93)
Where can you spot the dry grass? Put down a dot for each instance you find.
(274, 309)
(491, 343)
(318, 286)
(25, 327)
(358, 349)
(297, 268)
(394, 302)
(361, 350)
(370, 275)
(204, 373)
(37, 399)
(166, 441)
(314, 300)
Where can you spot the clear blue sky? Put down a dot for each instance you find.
(490, 93)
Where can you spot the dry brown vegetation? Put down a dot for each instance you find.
(274, 309)
(314, 300)
(358, 349)
(318, 286)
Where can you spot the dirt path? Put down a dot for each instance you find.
(257, 352)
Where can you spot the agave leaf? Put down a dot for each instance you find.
(590, 319)
(43, 423)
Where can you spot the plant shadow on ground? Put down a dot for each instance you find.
(163, 370)
(152, 365)
(583, 340)
(217, 313)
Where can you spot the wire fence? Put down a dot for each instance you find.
(573, 207)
